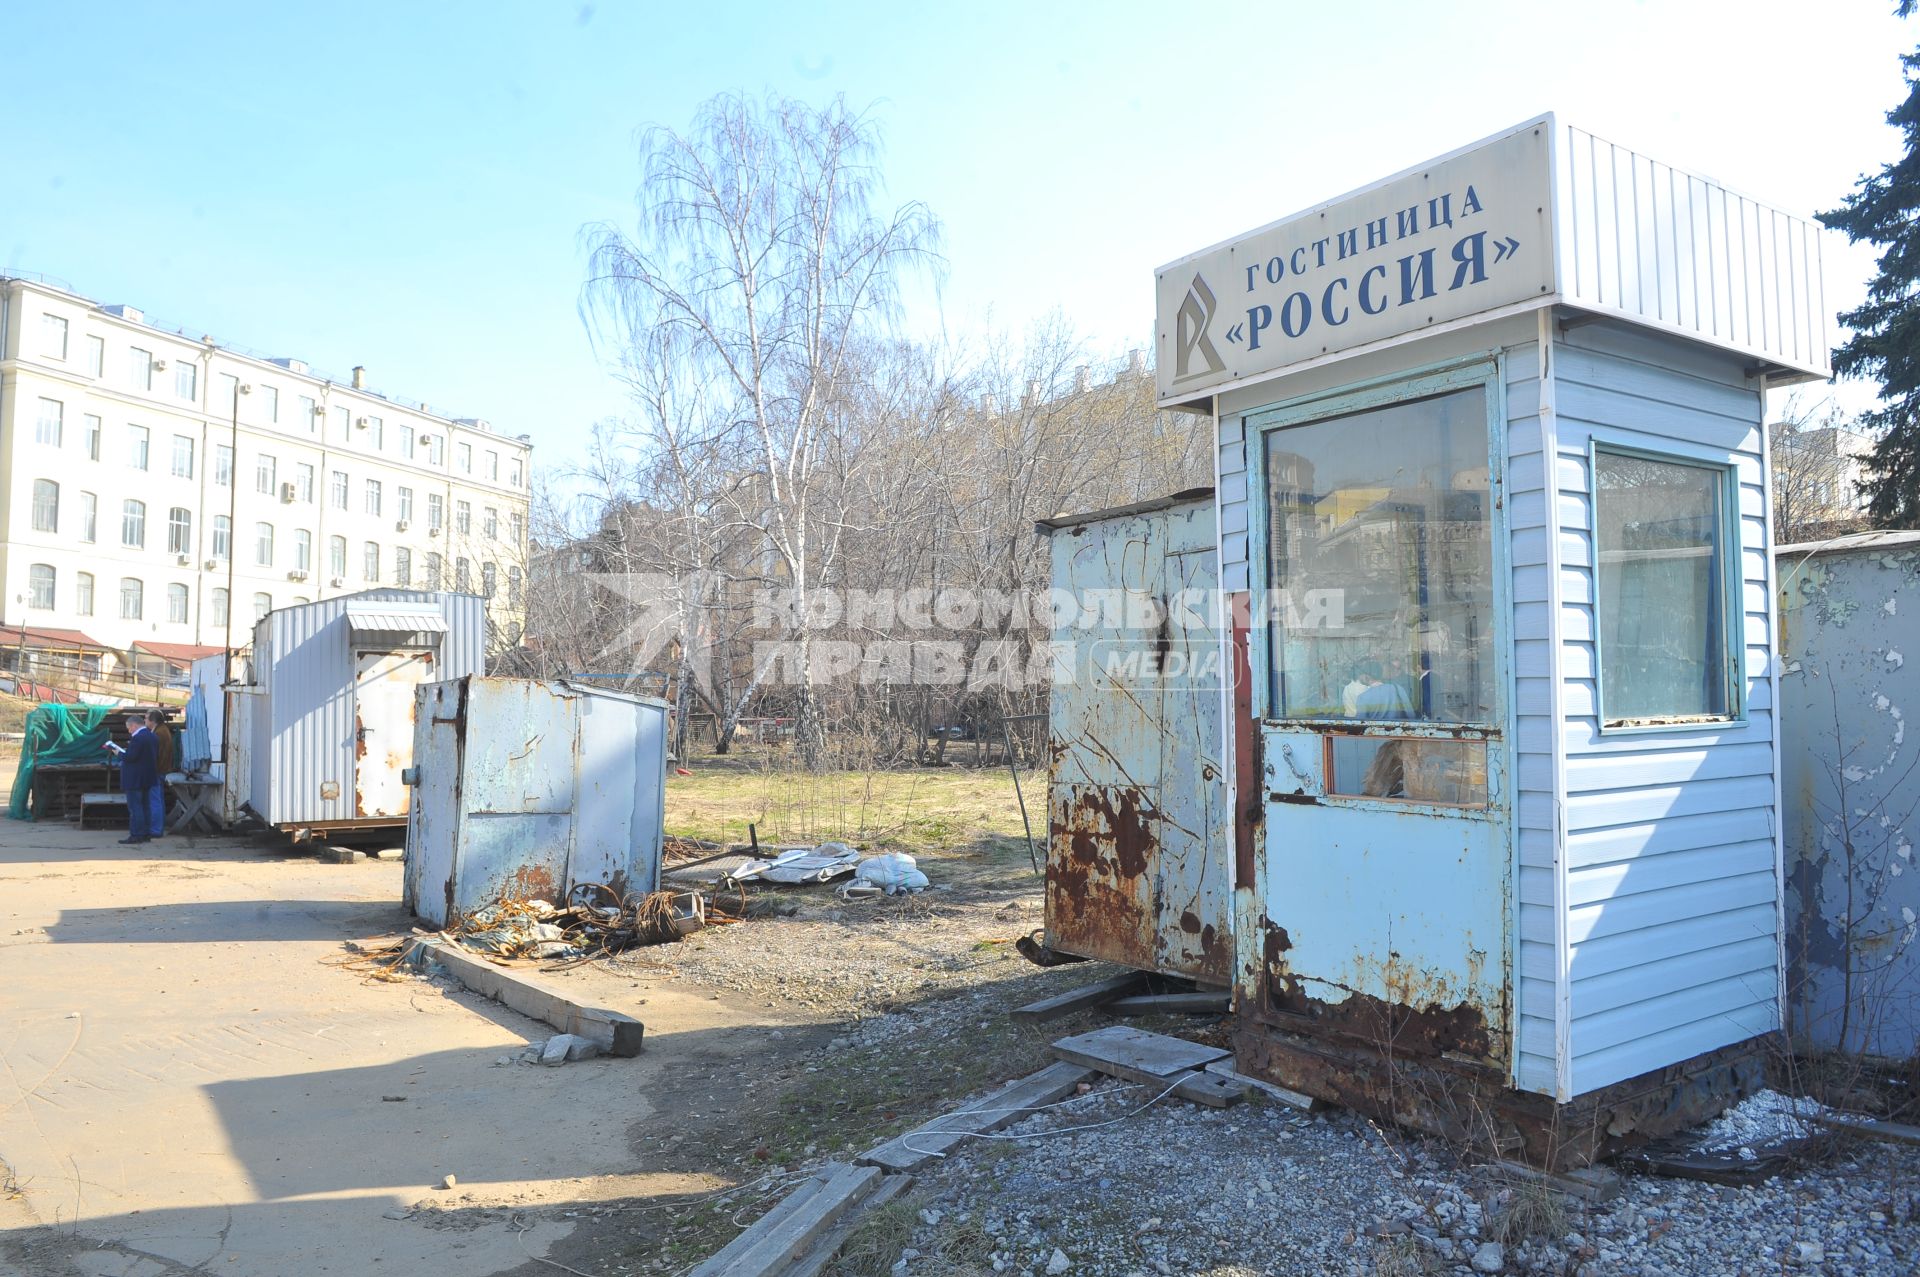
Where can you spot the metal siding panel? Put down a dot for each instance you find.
(1595, 1069)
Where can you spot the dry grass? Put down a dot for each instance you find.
(916, 810)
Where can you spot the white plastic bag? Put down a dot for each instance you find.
(893, 873)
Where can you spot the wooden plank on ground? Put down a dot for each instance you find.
(1136, 1054)
(1211, 1089)
(1002, 1108)
(815, 1261)
(527, 993)
(1591, 1183)
(1087, 995)
(776, 1247)
(784, 1209)
(1196, 1003)
(1870, 1127)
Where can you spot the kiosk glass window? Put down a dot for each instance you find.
(1660, 528)
(1381, 591)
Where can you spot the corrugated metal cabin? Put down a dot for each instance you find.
(330, 699)
(1493, 534)
(531, 788)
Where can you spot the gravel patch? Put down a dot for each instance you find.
(1260, 1188)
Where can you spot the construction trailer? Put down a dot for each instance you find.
(328, 704)
(1498, 745)
(533, 789)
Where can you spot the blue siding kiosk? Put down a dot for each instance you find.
(1493, 539)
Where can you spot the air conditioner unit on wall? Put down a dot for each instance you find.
(361, 422)
(211, 564)
(159, 365)
(400, 525)
(185, 559)
(286, 493)
(336, 582)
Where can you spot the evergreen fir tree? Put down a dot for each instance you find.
(1885, 209)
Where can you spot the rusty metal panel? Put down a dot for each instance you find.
(1851, 791)
(1138, 868)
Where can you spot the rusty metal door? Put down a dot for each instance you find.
(383, 694)
(1136, 857)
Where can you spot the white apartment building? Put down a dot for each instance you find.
(161, 489)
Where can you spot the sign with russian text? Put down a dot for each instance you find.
(1464, 235)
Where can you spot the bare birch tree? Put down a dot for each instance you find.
(760, 250)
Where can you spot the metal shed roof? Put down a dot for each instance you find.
(386, 616)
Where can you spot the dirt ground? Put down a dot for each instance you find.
(193, 1083)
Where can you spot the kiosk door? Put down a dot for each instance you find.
(1386, 868)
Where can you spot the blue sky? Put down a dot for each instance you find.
(403, 185)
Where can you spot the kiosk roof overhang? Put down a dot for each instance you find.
(1541, 214)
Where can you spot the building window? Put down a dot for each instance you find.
(53, 334)
(179, 530)
(83, 593)
(263, 544)
(437, 449)
(302, 550)
(95, 352)
(462, 576)
(402, 566)
(436, 512)
(222, 537)
(223, 465)
(513, 587)
(298, 599)
(89, 517)
(406, 442)
(137, 440)
(463, 454)
(490, 523)
(343, 422)
(303, 481)
(262, 604)
(435, 570)
(133, 525)
(46, 505)
(405, 502)
(217, 605)
(463, 517)
(132, 598)
(515, 472)
(518, 523)
(50, 424)
(1666, 624)
(337, 557)
(337, 489)
(264, 471)
(1388, 506)
(489, 579)
(177, 604)
(370, 561)
(92, 429)
(377, 432)
(140, 368)
(182, 457)
(309, 419)
(40, 587)
(186, 379)
(270, 402)
(373, 497)
(493, 466)
(229, 401)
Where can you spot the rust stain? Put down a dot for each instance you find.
(529, 882)
(1190, 923)
(1099, 896)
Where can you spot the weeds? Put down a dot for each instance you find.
(1531, 1210)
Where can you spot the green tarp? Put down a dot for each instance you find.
(59, 734)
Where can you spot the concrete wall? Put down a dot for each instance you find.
(1852, 790)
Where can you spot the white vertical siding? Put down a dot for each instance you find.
(1672, 889)
(1234, 477)
(1529, 519)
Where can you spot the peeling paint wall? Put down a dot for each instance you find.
(1851, 789)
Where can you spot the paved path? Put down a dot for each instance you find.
(187, 1086)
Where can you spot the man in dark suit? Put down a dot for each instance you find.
(140, 781)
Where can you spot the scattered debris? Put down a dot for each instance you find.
(894, 873)
(1009, 1104)
(1225, 1069)
(450, 1181)
(801, 1234)
(1893, 1132)
(1088, 995)
(564, 1048)
(1199, 1002)
(1156, 1059)
(796, 865)
(393, 1099)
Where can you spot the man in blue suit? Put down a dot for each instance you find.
(140, 781)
